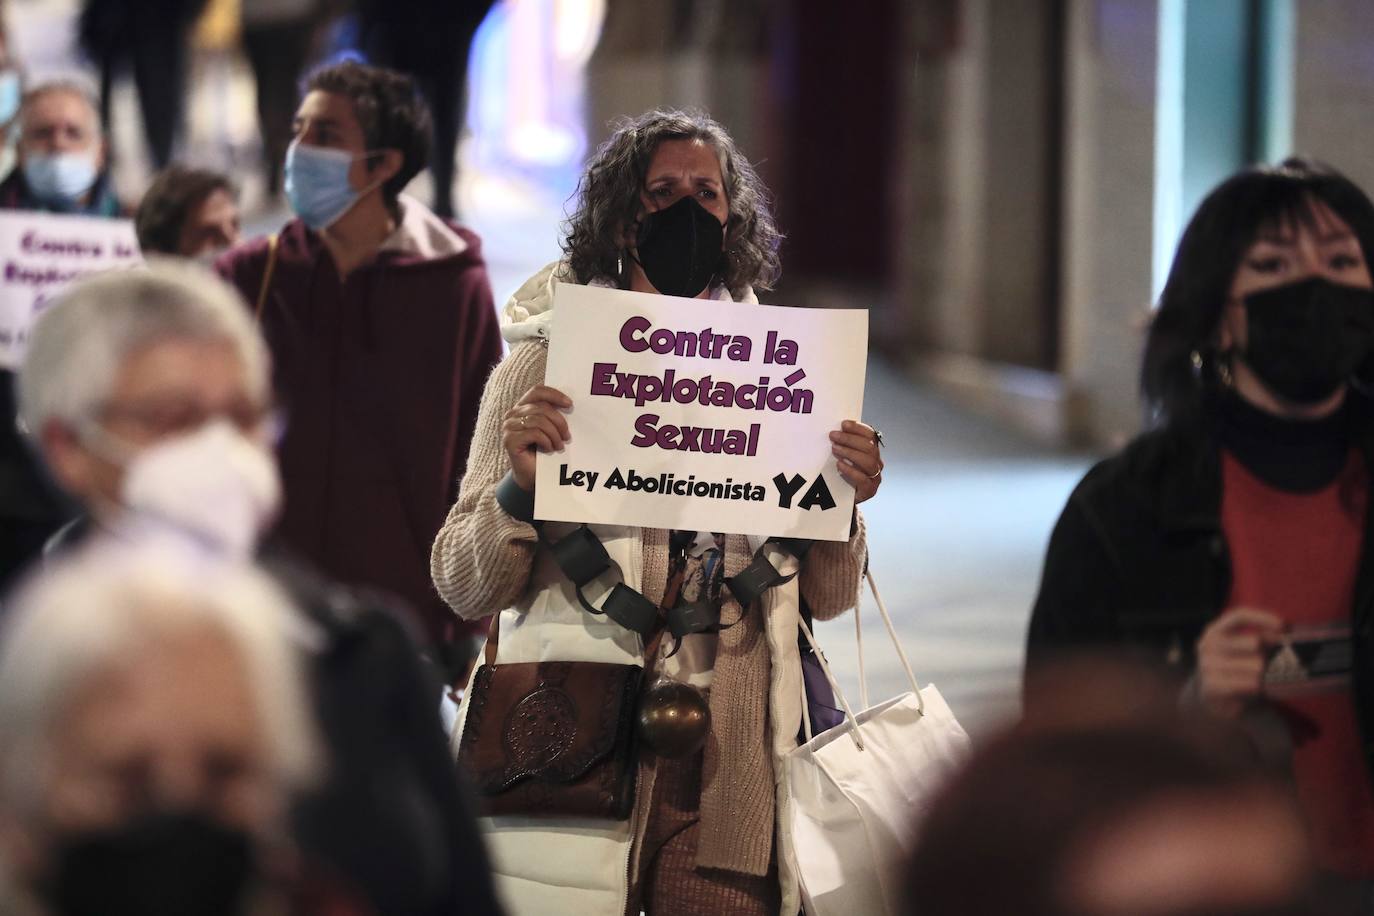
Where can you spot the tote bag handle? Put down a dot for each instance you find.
(896, 644)
(853, 721)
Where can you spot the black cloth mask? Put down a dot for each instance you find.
(1306, 339)
(680, 248)
(162, 865)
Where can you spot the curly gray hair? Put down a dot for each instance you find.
(609, 200)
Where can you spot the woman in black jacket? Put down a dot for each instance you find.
(1232, 540)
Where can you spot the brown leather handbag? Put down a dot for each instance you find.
(552, 739)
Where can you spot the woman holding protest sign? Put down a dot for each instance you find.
(682, 819)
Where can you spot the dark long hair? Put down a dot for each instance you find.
(608, 200)
(1227, 222)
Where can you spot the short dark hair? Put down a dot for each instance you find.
(174, 194)
(1223, 228)
(391, 111)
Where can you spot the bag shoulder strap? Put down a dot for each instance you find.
(493, 634)
(273, 243)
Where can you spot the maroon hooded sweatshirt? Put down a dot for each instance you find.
(380, 375)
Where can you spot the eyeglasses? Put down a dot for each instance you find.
(175, 416)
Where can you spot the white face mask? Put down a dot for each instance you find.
(214, 484)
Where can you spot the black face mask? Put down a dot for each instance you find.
(163, 865)
(679, 248)
(1307, 338)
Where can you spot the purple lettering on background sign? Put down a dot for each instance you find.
(34, 243)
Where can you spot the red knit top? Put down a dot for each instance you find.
(1297, 554)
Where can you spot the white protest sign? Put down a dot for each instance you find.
(703, 415)
(40, 253)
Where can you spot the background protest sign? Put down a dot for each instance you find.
(40, 253)
(704, 415)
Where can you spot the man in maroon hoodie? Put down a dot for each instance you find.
(380, 320)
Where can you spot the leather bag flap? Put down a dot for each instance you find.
(545, 721)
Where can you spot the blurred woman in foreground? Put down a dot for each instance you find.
(153, 721)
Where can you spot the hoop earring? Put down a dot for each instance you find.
(1224, 371)
(1222, 366)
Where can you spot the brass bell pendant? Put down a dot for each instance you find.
(673, 718)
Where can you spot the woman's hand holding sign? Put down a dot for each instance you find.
(535, 424)
(855, 446)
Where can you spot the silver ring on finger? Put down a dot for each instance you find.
(524, 421)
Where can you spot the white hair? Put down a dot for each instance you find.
(68, 84)
(105, 606)
(81, 341)
(71, 83)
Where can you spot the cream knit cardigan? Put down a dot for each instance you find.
(482, 561)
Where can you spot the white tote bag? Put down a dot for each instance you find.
(858, 789)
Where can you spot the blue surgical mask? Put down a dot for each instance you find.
(60, 178)
(317, 183)
(11, 92)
